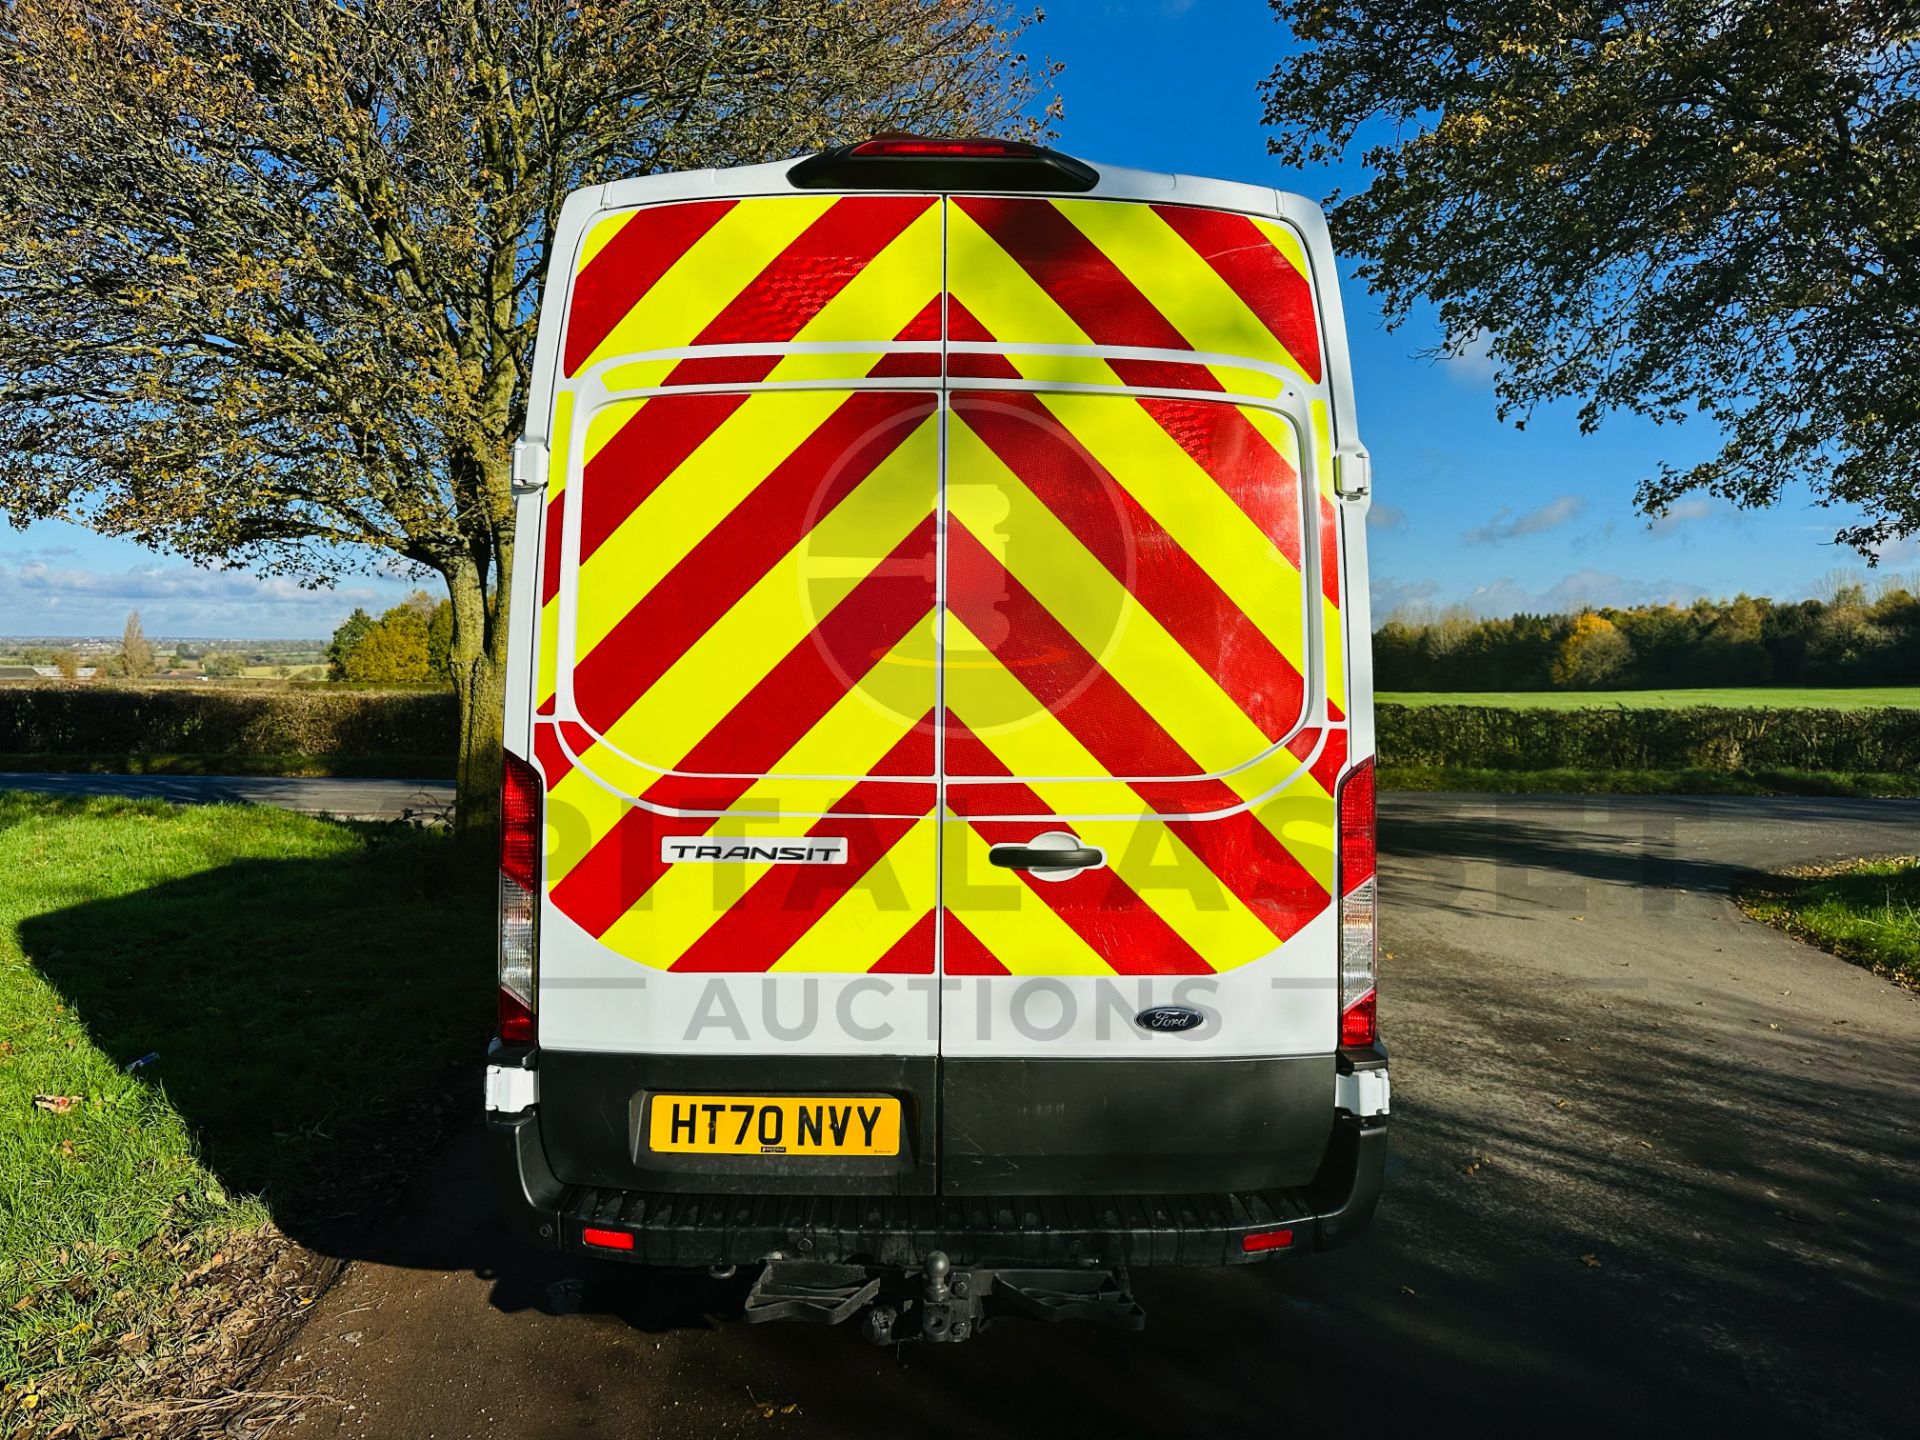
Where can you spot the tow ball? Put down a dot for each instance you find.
(939, 1302)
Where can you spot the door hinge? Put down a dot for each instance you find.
(1352, 474)
(530, 459)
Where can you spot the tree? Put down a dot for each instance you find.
(67, 662)
(440, 642)
(224, 665)
(136, 652)
(352, 630)
(393, 649)
(1674, 208)
(1594, 653)
(269, 270)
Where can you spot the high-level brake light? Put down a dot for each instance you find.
(1359, 929)
(951, 163)
(520, 806)
(934, 145)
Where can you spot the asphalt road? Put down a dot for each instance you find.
(347, 799)
(1656, 1170)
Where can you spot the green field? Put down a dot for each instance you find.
(1904, 696)
(305, 986)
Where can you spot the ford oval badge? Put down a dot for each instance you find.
(1174, 1018)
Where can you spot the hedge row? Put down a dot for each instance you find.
(1885, 740)
(93, 719)
(132, 721)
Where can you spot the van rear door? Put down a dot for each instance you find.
(1141, 669)
(736, 687)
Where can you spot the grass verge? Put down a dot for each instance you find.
(1738, 698)
(304, 986)
(1866, 911)
(1648, 782)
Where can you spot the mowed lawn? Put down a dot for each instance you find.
(1902, 696)
(205, 1013)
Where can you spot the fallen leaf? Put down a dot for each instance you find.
(1408, 1290)
(56, 1104)
(1592, 1262)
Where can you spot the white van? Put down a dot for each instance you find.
(938, 858)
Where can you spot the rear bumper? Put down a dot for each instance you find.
(687, 1229)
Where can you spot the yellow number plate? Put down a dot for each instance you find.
(773, 1125)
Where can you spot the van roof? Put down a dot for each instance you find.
(1117, 182)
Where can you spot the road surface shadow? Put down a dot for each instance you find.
(1594, 1228)
(309, 1017)
(1646, 841)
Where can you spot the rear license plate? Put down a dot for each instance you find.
(773, 1125)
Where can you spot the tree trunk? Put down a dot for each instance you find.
(479, 661)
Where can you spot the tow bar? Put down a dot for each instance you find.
(938, 1302)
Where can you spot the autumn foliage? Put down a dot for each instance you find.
(270, 269)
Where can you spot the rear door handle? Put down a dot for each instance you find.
(1029, 857)
(1048, 854)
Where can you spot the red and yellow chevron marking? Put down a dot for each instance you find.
(1177, 896)
(755, 597)
(775, 271)
(1121, 275)
(1024, 277)
(740, 637)
(1103, 547)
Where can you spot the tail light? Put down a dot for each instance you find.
(520, 805)
(1261, 1240)
(943, 162)
(1359, 928)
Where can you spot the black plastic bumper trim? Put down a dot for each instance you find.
(712, 1229)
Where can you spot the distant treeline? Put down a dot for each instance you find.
(1847, 639)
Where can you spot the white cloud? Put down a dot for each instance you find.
(1390, 597)
(38, 597)
(1591, 587)
(1472, 363)
(1386, 517)
(1583, 589)
(1505, 525)
(1690, 511)
(1904, 551)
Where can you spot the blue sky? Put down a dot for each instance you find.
(1468, 510)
